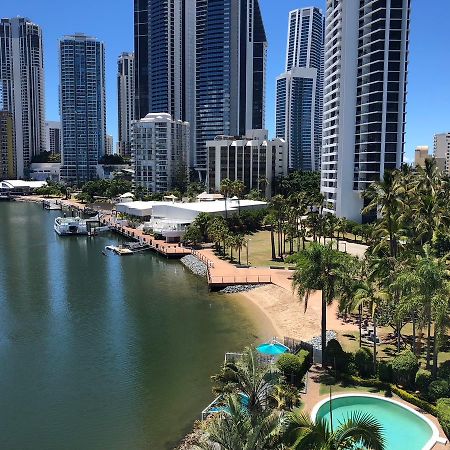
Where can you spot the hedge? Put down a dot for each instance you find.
(443, 414)
(294, 367)
(438, 389)
(364, 361)
(423, 380)
(404, 367)
(405, 395)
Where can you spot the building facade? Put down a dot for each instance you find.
(231, 53)
(421, 155)
(441, 149)
(6, 146)
(22, 88)
(53, 137)
(299, 90)
(164, 48)
(109, 148)
(366, 65)
(253, 159)
(125, 101)
(83, 106)
(160, 151)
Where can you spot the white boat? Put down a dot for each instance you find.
(70, 226)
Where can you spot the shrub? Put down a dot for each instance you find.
(294, 367)
(404, 367)
(364, 362)
(423, 380)
(444, 370)
(410, 398)
(385, 371)
(437, 389)
(443, 414)
(333, 352)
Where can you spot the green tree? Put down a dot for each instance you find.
(357, 431)
(320, 268)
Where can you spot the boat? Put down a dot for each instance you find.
(50, 205)
(122, 251)
(70, 226)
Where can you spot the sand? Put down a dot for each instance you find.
(280, 311)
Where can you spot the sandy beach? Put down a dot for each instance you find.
(277, 310)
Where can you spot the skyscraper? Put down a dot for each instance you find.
(53, 137)
(366, 64)
(125, 101)
(22, 88)
(83, 106)
(231, 51)
(299, 91)
(6, 145)
(164, 48)
(441, 149)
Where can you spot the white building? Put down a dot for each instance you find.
(160, 151)
(53, 137)
(441, 149)
(299, 102)
(22, 87)
(249, 159)
(45, 171)
(125, 101)
(366, 60)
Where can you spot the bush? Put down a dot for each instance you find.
(404, 367)
(444, 370)
(410, 398)
(294, 367)
(423, 380)
(385, 371)
(364, 362)
(333, 351)
(438, 389)
(443, 414)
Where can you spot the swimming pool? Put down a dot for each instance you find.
(272, 348)
(403, 427)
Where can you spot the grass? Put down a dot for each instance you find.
(327, 380)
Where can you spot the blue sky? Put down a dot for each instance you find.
(112, 22)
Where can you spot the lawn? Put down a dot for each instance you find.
(327, 380)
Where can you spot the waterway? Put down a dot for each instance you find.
(102, 352)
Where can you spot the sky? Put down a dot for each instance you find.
(428, 109)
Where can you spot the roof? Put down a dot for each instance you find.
(15, 184)
(218, 205)
(206, 196)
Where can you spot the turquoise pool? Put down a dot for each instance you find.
(272, 348)
(403, 428)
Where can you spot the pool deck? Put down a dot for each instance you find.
(313, 396)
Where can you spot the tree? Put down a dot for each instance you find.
(271, 220)
(226, 188)
(237, 429)
(358, 431)
(320, 268)
(239, 243)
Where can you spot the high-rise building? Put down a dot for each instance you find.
(83, 106)
(109, 149)
(125, 101)
(366, 65)
(299, 91)
(6, 146)
(253, 159)
(22, 87)
(53, 137)
(164, 49)
(421, 155)
(231, 51)
(160, 151)
(441, 150)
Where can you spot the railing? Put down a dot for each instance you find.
(236, 279)
(209, 409)
(203, 258)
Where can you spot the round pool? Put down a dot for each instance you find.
(403, 427)
(272, 348)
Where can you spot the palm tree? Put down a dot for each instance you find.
(360, 430)
(278, 205)
(237, 429)
(320, 268)
(237, 189)
(250, 377)
(385, 197)
(271, 220)
(239, 243)
(226, 186)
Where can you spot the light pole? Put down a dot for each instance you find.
(248, 242)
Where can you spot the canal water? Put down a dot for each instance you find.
(102, 352)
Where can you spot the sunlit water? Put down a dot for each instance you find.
(102, 352)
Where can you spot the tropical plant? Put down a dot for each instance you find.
(359, 430)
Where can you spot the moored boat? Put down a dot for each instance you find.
(70, 226)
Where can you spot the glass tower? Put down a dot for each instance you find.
(299, 104)
(83, 112)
